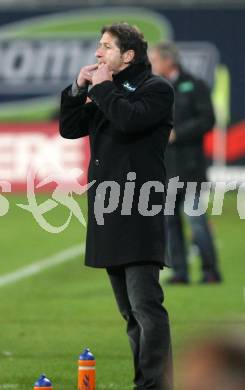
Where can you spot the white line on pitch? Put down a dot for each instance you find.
(41, 265)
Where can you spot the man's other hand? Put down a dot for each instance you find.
(101, 74)
(85, 75)
(172, 136)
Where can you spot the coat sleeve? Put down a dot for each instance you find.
(75, 115)
(203, 118)
(153, 105)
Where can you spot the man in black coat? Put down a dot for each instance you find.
(185, 158)
(127, 113)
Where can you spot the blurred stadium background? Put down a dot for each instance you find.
(53, 312)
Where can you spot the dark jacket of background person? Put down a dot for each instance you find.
(128, 131)
(194, 116)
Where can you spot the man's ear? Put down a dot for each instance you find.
(128, 56)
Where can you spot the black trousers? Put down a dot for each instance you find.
(202, 237)
(139, 298)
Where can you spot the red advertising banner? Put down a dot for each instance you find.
(40, 148)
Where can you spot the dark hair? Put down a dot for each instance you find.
(129, 38)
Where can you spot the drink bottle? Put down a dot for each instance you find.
(43, 383)
(86, 371)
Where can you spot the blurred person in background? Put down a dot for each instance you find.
(194, 116)
(213, 363)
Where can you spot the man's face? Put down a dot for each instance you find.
(109, 53)
(160, 66)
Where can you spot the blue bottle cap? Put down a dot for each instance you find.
(43, 382)
(86, 355)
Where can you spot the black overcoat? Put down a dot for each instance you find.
(128, 123)
(194, 117)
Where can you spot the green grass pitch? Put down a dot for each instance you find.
(46, 319)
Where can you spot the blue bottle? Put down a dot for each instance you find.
(43, 383)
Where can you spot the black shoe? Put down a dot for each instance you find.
(211, 278)
(177, 280)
